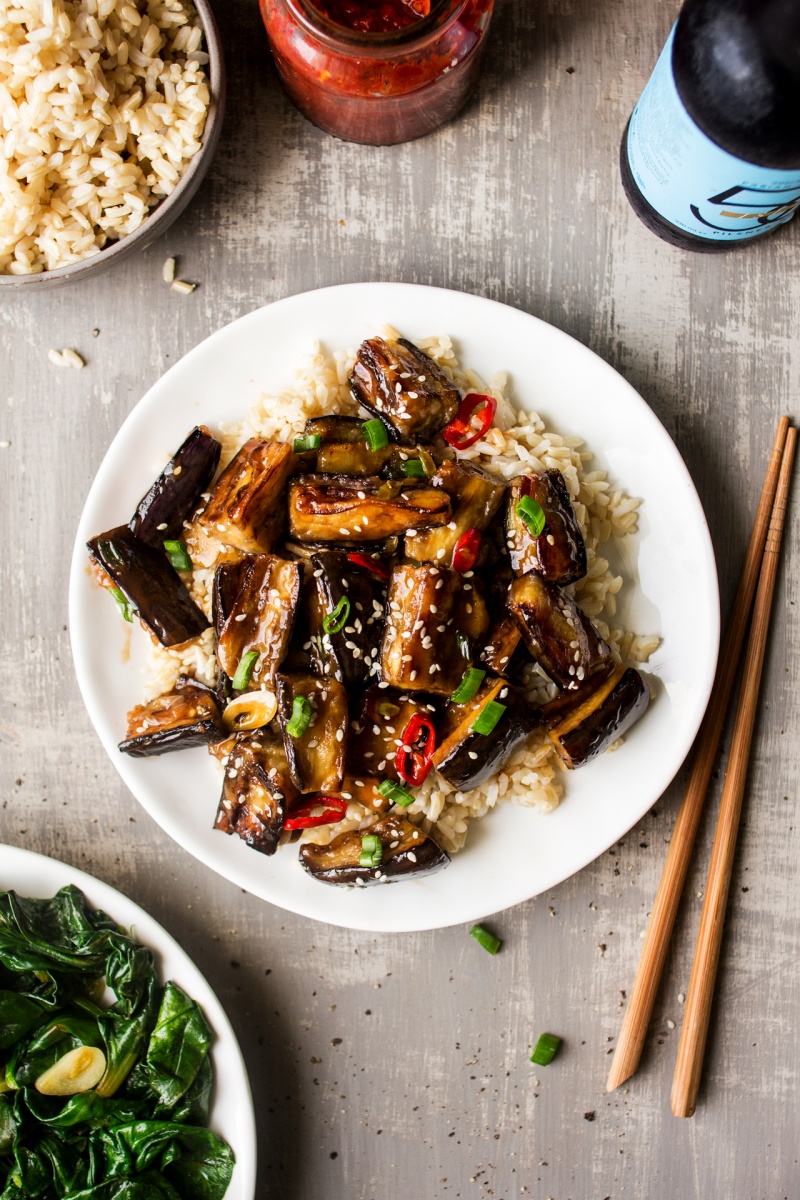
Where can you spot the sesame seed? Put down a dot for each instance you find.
(241, 617)
(472, 754)
(452, 525)
(346, 532)
(163, 525)
(413, 675)
(433, 608)
(440, 553)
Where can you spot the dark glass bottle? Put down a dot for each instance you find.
(711, 155)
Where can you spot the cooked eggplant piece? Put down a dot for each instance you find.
(504, 649)
(598, 716)
(376, 734)
(558, 553)
(173, 497)
(363, 789)
(434, 617)
(475, 496)
(316, 756)
(260, 615)
(406, 851)
(257, 792)
(343, 586)
(557, 632)
(349, 510)
(402, 386)
(336, 429)
(349, 458)
(467, 758)
(151, 584)
(228, 579)
(187, 716)
(246, 508)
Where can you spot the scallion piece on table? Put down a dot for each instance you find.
(178, 555)
(336, 620)
(312, 441)
(532, 514)
(545, 1050)
(414, 468)
(396, 793)
(244, 670)
(471, 681)
(371, 851)
(375, 433)
(485, 939)
(122, 603)
(488, 717)
(300, 718)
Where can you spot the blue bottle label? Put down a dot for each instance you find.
(690, 180)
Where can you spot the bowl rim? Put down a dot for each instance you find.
(172, 205)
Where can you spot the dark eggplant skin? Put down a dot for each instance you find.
(376, 736)
(357, 510)
(350, 654)
(173, 497)
(402, 386)
(557, 632)
(257, 792)
(558, 553)
(259, 617)
(336, 429)
(467, 759)
(504, 652)
(185, 717)
(246, 508)
(599, 716)
(407, 851)
(228, 579)
(151, 584)
(316, 760)
(475, 496)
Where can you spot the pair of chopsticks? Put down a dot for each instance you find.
(757, 581)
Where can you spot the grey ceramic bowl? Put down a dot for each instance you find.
(170, 208)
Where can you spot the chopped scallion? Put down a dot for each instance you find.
(385, 709)
(488, 717)
(485, 939)
(244, 670)
(532, 514)
(545, 1049)
(414, 469)
(312, 441)
(122, 603)
(336, 620)
(396, 793)
(178, 555)
(371, 851)
(375, 433)
(471, 681)
(300, 718)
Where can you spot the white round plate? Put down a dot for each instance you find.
(671, 589)
(231, 1114)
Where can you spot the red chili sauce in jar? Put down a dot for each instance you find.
(378, 71)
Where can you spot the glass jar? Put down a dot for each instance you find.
(377, 85)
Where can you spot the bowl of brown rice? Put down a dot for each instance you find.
(110, 112)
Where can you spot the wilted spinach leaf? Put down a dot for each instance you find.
(178, 1045)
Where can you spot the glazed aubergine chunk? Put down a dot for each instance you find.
(335, 429)
(255, 602)
(466, 757)
(257, 792)
(405, 851)
(558, 553)
(171, 500)
(434, 617)
(397, 382)
(376, 733)
(475, 496)
(351, 510)
(557, 632)
(316, 756)
(352, 597)
(597, 716)
(187, 716)
(504, 651)
(246, 507)
(151, 584)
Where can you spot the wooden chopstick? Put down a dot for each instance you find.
(699, 998)
(659, 931)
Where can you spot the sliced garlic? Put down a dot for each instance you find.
(250, 711)
(78, 1070)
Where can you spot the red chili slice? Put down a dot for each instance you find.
(459, 433)
(369, 564)
(467, 549)
(413, 762)
(301, 818)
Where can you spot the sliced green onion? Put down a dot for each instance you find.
(414, 468)
(462, 641)
(545, 1050)
(312, 441)
(488, 717)
(122, 603)
(335, 621)
(178, 555)
(471, 681)
(371, 851)
(244, 670)
(385, 709)
(375, 433)
(301, 717)
(532, 514)
(396, 793)
(485, 939)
